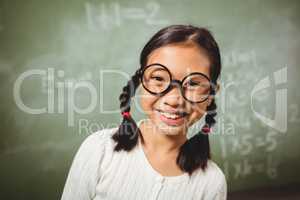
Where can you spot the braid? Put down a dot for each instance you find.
(195, 152)
(127, 134)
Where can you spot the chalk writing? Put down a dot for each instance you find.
(106, 16)
(245, 144)
(246, 167)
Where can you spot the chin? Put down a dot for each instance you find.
(167, 129)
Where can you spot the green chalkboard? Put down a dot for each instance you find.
(63, 65)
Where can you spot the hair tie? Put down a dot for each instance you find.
(126, 114)
(206, 129)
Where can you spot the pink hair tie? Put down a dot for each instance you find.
(206, 129)
(126, 114)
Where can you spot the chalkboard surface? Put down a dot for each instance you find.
(63, 65)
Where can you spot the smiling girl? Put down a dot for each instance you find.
(153, 158)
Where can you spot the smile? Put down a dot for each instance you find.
(173, 119)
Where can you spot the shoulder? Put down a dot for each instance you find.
(212, 177)
(215, 181)
(85, 169)
(214, 171)
(93, 150)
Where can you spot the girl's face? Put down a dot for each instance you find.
(181, 60)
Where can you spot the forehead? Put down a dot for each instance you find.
(181, 60)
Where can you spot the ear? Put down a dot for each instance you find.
(209, 100)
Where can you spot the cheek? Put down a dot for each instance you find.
(147, 101)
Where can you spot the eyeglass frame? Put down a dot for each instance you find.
(142, 71)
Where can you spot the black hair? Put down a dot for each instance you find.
(195, 152)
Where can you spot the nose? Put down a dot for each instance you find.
(174, 97)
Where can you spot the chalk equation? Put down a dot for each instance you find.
(246, 144)
(105, 16)
(246, 167)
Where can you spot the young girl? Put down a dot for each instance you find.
(153, 159)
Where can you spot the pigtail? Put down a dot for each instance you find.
(127, 134)
(195, 152)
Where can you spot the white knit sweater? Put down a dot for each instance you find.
(99, 173)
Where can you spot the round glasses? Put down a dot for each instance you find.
(157, 80)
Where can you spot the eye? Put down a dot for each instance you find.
(157, 78)
(192, 83)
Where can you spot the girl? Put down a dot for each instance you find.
(153, 159)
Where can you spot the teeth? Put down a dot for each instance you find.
(169, 115)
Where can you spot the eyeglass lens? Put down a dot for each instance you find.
(157, 79)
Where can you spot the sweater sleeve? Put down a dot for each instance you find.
(222, 190)
(84, 172)
(217, 185)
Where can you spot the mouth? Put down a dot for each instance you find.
(171, 118)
